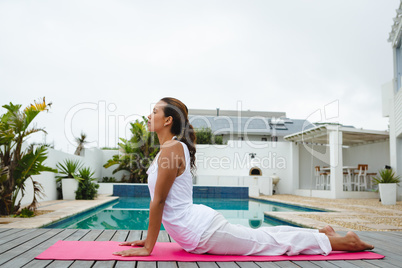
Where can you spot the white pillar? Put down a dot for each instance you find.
(294, 165)
(336, 161)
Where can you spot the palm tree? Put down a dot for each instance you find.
(18, 165)
(137, 153)
(80, 142)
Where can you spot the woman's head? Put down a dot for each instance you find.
(173, 114)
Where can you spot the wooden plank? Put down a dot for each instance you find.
(9, 232)
(286, 264)
(267, 264)
(99, 235)
(20, 241)
(361, 263)
(44, 263)
(247, 264)
(35, 249)
(106, 235)
(389, 250)
(324, 264)
(74, 237)
(146, 264)
(344, 264)
(120, 236)
(132, 236)
(135, 235)
(125, 264)
(305, 264)
(227, 264)
(203, 264)
(373, 237)
(380, 263)
(162, 237)
(187, 264)
(4, 229)
(16, 235)
(91, 235)
(167, 264)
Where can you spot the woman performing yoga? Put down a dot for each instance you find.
(200, 229)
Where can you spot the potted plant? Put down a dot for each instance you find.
(387, 182)
(68, 179)
(87, 189)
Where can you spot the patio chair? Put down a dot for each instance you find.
(361, 177)
(321, 178)
(348, 181)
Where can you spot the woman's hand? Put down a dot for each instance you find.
(140, 243)
(141, 251)
(133, 252)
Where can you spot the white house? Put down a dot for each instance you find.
(392, 97)
(247, 125)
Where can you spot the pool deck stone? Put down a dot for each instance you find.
(345, 215)
(60, 209)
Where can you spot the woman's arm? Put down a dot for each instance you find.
(169, 161)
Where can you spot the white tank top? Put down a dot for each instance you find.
(184, 221)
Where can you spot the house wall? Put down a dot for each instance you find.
(232, 161)
(93, 158)
(398, 113)
(375, 155)
(392, 108)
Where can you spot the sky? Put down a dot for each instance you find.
(104, 64)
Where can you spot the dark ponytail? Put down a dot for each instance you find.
(181, 127)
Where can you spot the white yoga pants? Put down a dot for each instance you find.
(224, 238)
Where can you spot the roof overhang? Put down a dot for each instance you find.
(350, 136)
(394, 35)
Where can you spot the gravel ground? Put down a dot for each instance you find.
(355, 214)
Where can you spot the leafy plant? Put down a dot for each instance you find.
(87, 189)
(108, 179)
(68, 169)
(137, 153)
(80, 143)
(25, 213)
(386, 176)
(18, 165)
(205, 136)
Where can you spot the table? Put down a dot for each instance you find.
(347, 181)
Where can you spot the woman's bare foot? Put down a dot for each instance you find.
(350, 242)
(329, 231)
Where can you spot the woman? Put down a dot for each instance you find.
(200, 229)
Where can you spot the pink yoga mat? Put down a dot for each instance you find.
(102, 251)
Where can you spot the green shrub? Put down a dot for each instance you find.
(205, 136)
(87, 189)
(25, 213)
(109, 179)
(386, 176)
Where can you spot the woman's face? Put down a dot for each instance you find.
(157, 119)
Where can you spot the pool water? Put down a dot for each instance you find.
(132, 213)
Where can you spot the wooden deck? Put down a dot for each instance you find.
(19, 247)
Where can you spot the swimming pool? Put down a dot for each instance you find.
(132, 213)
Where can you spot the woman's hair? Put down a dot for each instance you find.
(181, 127)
